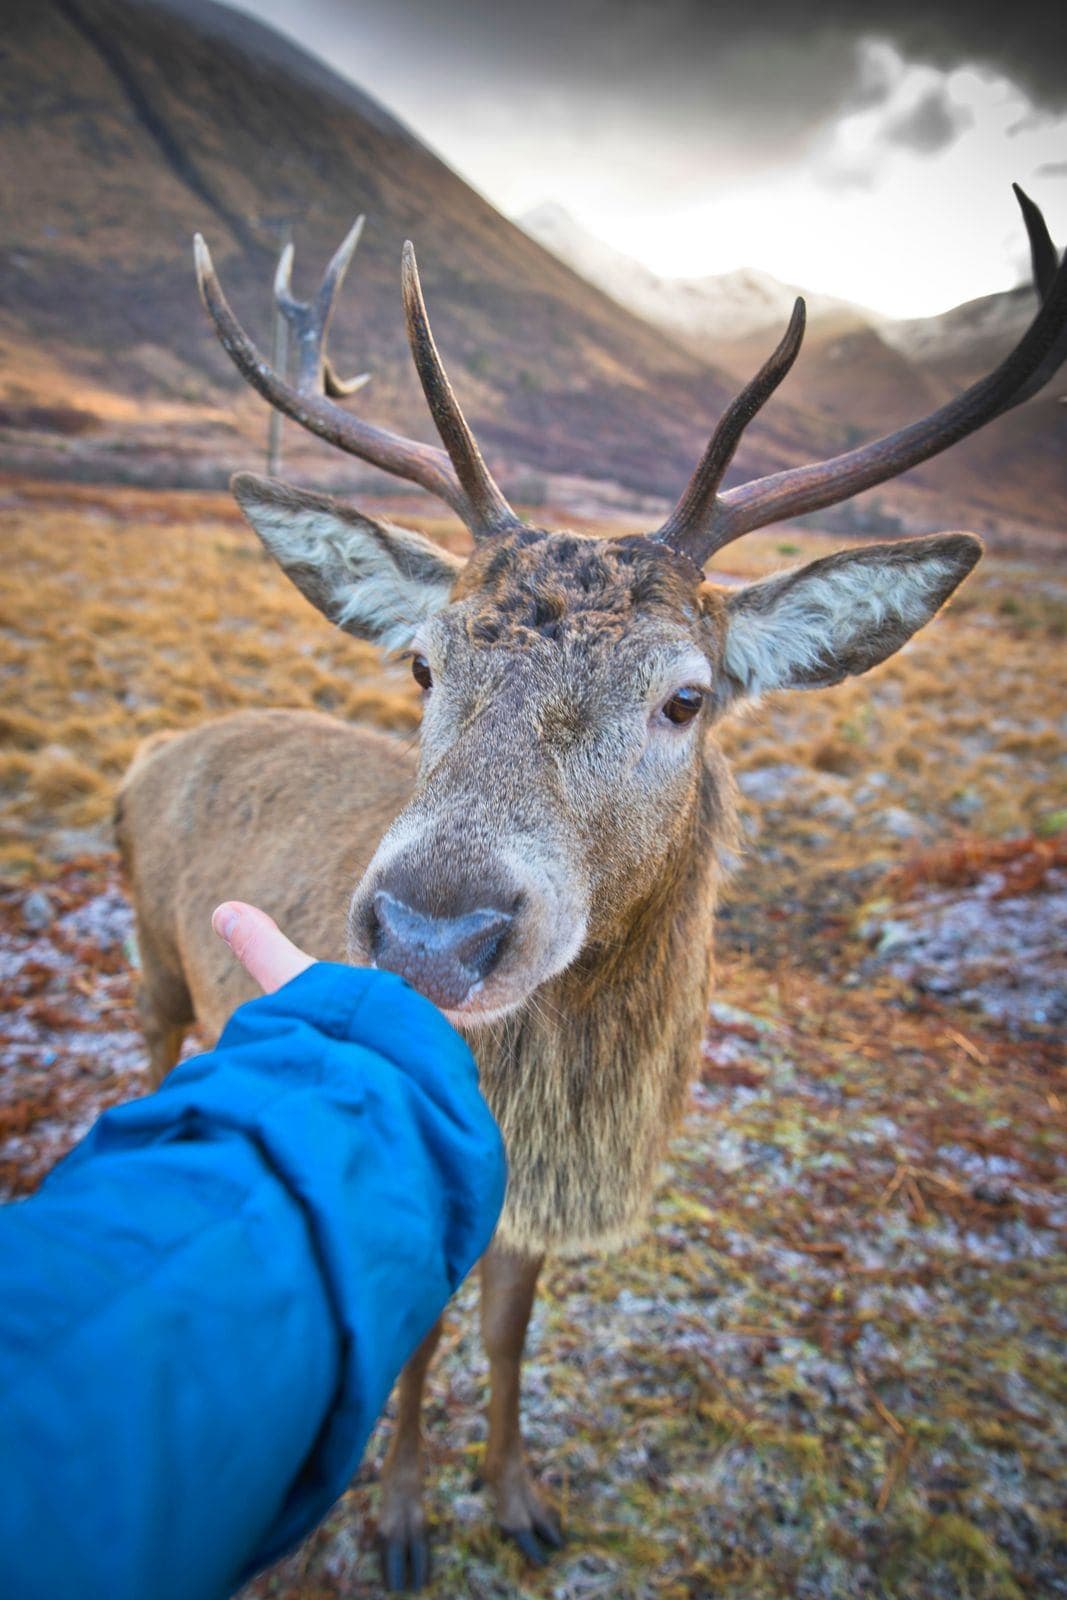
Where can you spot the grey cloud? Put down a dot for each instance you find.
(932, 124)
(778, 51)
(845, 178)
(1052, 169)
(684, 67)
(680, 95)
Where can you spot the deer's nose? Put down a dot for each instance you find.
(442, 957)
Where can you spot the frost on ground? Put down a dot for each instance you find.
(69, 1044)
(833, 1368)
(984, 945)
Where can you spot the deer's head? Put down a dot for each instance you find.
(569, 683)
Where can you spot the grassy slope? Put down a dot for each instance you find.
(121, 153)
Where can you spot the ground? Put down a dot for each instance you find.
(834, 1366)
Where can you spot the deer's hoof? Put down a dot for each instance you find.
(405, 1562)
(539, 1540)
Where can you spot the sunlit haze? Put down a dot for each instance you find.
(834, 163)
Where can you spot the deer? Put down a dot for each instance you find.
(545, 868)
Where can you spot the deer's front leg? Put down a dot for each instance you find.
(402, 1540)
(508, 1285)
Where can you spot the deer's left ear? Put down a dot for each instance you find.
(835, 618)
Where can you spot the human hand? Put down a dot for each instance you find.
(259, 944)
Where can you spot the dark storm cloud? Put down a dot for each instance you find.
(787, 55)
(699, 137)
(930, 125)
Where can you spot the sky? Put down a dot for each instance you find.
(861, 150)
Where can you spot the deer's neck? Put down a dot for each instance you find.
(592, 1076)
(657, 964)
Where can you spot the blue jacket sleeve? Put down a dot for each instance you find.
(203, 1309)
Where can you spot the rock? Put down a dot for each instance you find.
(966, 805)
(67, 844)
(37, 911)
(892, 935)
(775, 782)
(106, 920)
(870, 917)
(871, 788)
(902, 824)
(835, 808)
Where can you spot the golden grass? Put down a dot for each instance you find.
(125, 611)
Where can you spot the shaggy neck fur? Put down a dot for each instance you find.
(589, 1079)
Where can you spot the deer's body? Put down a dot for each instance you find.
(307, 797)
(287, 808)
(546, 871)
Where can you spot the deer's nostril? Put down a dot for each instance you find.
(444, 957)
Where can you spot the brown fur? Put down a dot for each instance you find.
(284, 809)
(551, 781)
(589, 1083)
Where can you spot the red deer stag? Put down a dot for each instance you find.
(546, 869)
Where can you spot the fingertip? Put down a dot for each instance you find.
(257, 942)
(224, 919)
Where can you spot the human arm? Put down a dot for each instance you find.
(203, 1310)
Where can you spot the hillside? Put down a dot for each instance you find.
(130, 125)
(961, 344)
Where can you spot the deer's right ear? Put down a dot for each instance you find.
(376, 581)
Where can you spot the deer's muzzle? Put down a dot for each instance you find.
(445, 958)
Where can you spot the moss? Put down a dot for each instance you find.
(968, 1556)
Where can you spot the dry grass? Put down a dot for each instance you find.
(834, 1367)
(122, 612)
(966, 725)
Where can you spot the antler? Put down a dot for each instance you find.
(310, 320)
(704, 521)
(460, 478)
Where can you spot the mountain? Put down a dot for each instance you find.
(859, 370)
(961, 344)
(707, 313)
(131, 124)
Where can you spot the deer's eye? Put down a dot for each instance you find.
(683, 705)
(420, 671)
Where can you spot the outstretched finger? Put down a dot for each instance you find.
(259, 944)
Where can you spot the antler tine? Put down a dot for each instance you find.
(810, 488)
(1043, 253)
(688, 528)
(1043, 258)
(492, 510)
(283, 275)
(310, 321)
(406, 458)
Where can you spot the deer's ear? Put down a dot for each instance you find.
(835, 618)
(376, 581)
